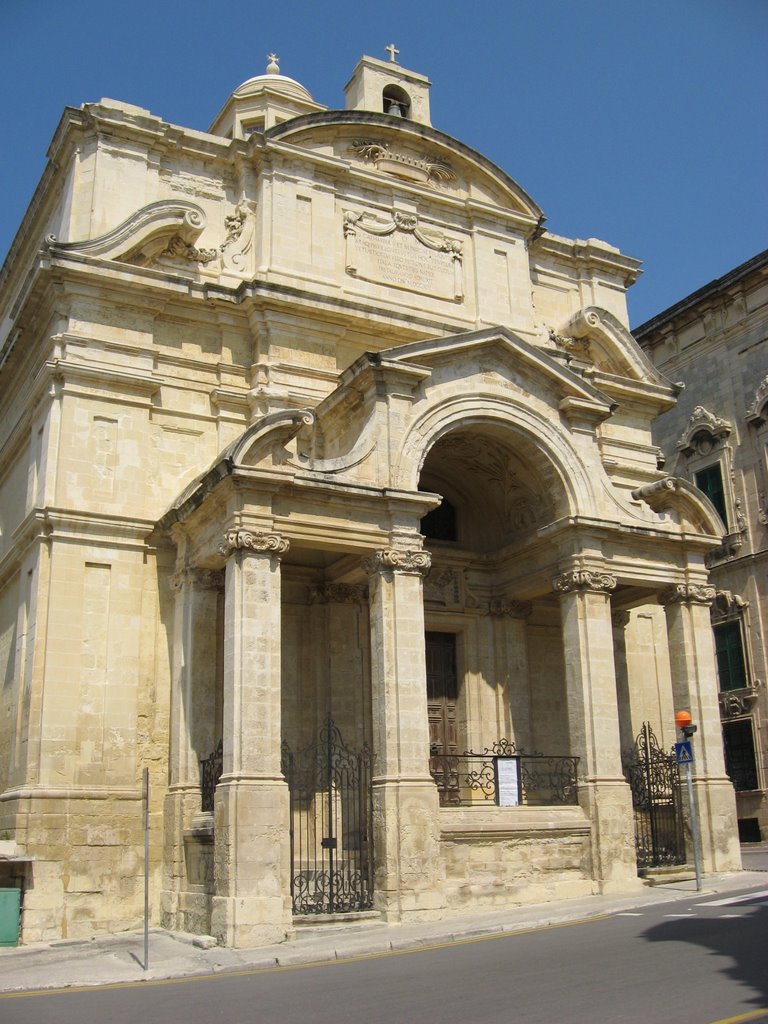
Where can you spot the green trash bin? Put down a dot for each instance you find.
(10, 909)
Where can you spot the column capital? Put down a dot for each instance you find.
(687, 593)
(500, 607)
(339, 593)
(253, 540)
(410, 562)
(596, 581)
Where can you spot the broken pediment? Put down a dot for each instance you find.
(167, 229)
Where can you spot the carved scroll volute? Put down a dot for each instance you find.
(597, 582)
(688, 593)
(251, 540)
(409, 562)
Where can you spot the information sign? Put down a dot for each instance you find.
(507, 781)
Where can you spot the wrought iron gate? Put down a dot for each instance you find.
(654, 779)
(331, 815)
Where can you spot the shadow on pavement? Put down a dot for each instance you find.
(739, 941)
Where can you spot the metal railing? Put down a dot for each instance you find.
(504, 776)
(210, 772)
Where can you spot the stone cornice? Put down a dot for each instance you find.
(595, 581)
(241, 539)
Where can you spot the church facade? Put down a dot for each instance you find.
(329, 503)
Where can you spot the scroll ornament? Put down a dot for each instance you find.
(688, 593)
(250, 540)
(584, 579)
(415, 563)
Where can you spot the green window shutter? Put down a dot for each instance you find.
(710, 480)
(731, 668)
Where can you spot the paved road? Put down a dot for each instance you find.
(698, 961)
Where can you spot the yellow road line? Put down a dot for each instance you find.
(749, 1015)
(247, 972)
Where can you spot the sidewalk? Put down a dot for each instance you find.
(119, 959)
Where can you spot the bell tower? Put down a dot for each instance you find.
(387, 88)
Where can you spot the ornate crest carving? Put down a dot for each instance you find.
(757, 413)
(734, 703)
(574, 347)
(504, 607)
(443, 587)
(703, 432)
(727, 605)
(426, 170)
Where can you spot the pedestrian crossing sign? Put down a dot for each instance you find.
(684, 752)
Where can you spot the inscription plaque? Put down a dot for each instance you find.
(399, 254)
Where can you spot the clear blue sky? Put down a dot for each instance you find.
(642, 123)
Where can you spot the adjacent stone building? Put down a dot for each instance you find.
(715, 341)
(328, 496)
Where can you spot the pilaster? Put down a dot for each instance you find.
(409, 868)
(252, 905)
(694, 689)
(593, 718)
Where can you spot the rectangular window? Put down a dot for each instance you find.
(739, 747)
(710, 480)
(731, 667)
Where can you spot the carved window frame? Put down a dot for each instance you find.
(728, 609)
(704, 444)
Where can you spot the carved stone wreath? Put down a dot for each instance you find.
(434, 172)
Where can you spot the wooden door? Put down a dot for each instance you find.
(442, 692)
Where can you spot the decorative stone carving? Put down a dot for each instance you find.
(584, 579)
(203, 579)
(415, 563)
(703, 432)
(727, 605)
(734, 703)
(241, 539)
(620, 618)
(757, 413)
(338, 593)
(503, 607)
(574, 347)
(178, 249)
(687, 593)
(443, 587)
(425, 170)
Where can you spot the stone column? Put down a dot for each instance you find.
(511, 631)
(694, 689)
(593, 719)
(252, 905)
(408, 863)
(192, 712)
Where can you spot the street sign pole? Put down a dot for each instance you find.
(684, 756)
(146, 869)
(694, 826)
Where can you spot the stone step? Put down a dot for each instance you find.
(322, 924)
(669, 875)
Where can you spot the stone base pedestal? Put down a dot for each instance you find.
(252, 905)
(715, 802)
(409, 869)
(609, 807)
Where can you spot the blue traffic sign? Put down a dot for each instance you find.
(684, 752)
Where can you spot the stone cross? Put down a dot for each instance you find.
(393, 52)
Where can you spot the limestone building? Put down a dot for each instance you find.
(715, 341)
(328, 495)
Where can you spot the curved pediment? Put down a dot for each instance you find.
(684, 503)
(143, 236)
(407, 151)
